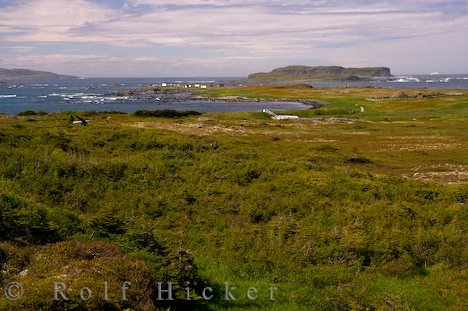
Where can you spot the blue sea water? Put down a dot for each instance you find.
(101, 93)
(433, 82)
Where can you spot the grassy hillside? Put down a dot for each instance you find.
(364, 211)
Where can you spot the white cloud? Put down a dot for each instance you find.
(50, 20)
(256, 34)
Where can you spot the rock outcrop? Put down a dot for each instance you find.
(321, 73)
(8, 74)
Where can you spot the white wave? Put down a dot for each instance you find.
(69, 95)
(7, 96)
(42, 96)
(116, 98)
(405, 79)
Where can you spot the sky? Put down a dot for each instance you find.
(156, 38)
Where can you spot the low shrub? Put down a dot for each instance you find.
(32, 113)
(326, 148)
(166, 113)
(358, 160)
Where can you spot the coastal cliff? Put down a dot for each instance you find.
(320, 73)
(8, 74)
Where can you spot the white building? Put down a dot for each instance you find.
(275, 116)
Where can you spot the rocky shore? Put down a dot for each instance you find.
(177, 95)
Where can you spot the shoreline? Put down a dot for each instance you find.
(174, 96)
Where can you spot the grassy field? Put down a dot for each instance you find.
(339, 210)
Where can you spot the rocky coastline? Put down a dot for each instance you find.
(177, 95)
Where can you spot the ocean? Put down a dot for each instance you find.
(101, 93)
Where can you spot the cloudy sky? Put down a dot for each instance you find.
(109, 38)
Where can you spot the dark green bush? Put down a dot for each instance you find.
(32, 113)
(167, 113)
(19, 222)
(107, 225)
(358, 160)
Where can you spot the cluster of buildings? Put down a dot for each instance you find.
(187, 86)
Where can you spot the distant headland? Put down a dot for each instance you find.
(320, 73)
(10, 74)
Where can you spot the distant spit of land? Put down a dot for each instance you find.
(8, 74)
(320, 73)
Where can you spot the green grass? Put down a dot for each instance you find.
(338, 215)
(342, 100)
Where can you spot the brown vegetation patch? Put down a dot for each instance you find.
(420, 143)
(192, 128)
(329, 120)
(447, 173)
(422, 147)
